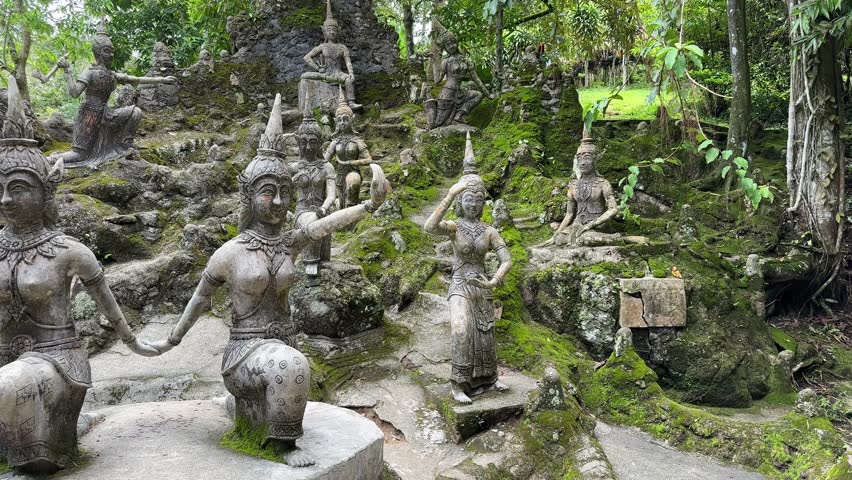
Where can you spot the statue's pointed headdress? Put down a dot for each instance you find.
(343, 105)
(270, 154)
(329, 16)
(309, 124)
(471, 174)
(19, 150)
(101, 39)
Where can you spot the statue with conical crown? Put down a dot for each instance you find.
(268, 378)
(44, 367)
(351, 152)
(472, 317)
(329, 64)
(101, 132)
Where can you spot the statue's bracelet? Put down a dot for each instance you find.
(172, 341)
(368, 206)
(129, 340)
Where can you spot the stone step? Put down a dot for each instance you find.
(180, 440)
(487, 410)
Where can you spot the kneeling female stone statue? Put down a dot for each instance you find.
(261, 367)
(44, 369)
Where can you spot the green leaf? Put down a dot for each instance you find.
(741, 163)
(628, 191)
(694, 49)
(726, 154)
(705, 144)
(632, 179)
(725, 171)
(711, 155)
(671, 57)
(659, 160)
(657, 168)
(633, 169)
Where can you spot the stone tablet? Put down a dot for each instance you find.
(652, 302)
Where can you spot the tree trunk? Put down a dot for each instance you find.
(498, 49)
(408, 24)
(625, 76)
(740, 116)
(21, 56)
(815, 154)
(586, 80)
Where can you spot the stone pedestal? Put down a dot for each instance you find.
(180, 440)
(340, 302)
(319, 94)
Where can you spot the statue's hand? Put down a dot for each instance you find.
(483, 282)
(63, 63)
(142, 348)
(379, 187)
(321, 69)
(457, 189)
(171, 80)
(162, 346)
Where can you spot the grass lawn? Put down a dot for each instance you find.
(632, 106)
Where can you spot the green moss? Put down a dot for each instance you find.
(245, 438)
(547, 436)
(784, 341)
(311, 15)
(4, 467)
(842, 470)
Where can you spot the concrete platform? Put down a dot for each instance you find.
(180, 441)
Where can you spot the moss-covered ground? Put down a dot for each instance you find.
(245, 438)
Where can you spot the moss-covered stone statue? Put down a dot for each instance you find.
(591, 204)
(456, 100)
(351, 152)
(472, 346)
(102, 133)
(44, 368)
(329, 64)
(267, 376)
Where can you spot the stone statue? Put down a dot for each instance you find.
(330, 63)
(267, 376)
(455, 100)
(591, 204)
(474, 357)
(102, 133)
(553, 89)
(351, 152)
(44, 368)
(313, 179)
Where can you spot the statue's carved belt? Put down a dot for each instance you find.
(22, 344)
(277, 330)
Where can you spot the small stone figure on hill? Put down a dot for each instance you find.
(351, 152)
(102, 133)
(472, 316)
(591, 204)
(313, 180)
(455, 101)
(44, 367)
(267, 376)
(330, 61)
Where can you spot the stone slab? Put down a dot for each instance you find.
(487, 410)
(578, 256)
(652, 302)
(318, 94)
(180, 441)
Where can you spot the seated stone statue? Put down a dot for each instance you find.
(267, 376)
(351, 152)
(102, 133)
(591, 204)
(44, 368)
(329, 62)
(456, 100)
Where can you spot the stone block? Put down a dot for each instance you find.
(171, 440)
(318, 94)
(652, 302)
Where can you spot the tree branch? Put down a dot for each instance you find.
(547, 11)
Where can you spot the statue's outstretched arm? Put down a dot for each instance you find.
(124, 78)
(435, 223)
(343, 218)
(92, 276)
(75, 87)
(309, 58)
(348, 61)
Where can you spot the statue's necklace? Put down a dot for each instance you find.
(271, 246)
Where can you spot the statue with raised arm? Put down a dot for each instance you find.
(267, 376)
(591, 204)
(351, 152)
(456, 100)
(44, 368)
(102, 133)
(314, 181)
(329, 62)
(472, 346)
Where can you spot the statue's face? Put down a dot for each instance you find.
(105, 55)
(271, 199)
(344, 122)
(309, 146)
(586, 163)
(331, 33)
(472, 203)
(452, 47)
(23, 197)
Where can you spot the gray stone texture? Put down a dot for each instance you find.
(285, 31)
(652, 302)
